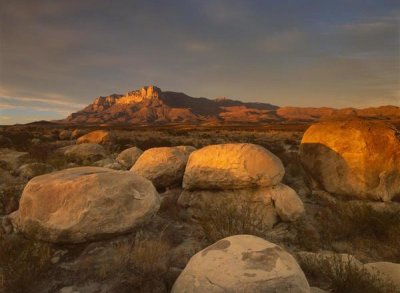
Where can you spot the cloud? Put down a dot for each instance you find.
(284, 41)
(53, 103)
(225, 11)
(197, 46)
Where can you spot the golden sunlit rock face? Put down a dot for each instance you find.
(357, 158)
(98, 136)
(232, 166)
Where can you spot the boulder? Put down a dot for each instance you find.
(128, 157)
(355, 158)
(267, 203)
(164, 166)
(242, 263)
(287, 203)
(11, 159)
(65, 135)
(90, 152)
(86, 203)
(78, 133)
(232, 166)
(387, 270)
(31, 170)
(108, 163)
(97, 136)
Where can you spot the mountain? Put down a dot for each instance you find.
(150, 105)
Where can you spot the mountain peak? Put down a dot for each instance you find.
(150, 105)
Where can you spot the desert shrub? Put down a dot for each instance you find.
(122, 143)
(227, 218)
(149, 257)
(22, 261)
(152, 142)
(20, 138)
(42, 151)
(148, 263)
(59, 161)
(344, 275)
(341, 221)
(9, 198)
(360, 224)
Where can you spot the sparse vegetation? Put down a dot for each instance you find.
(360, 224)
(223, 219)
(22, 261)
(344, 275)
(9, 198)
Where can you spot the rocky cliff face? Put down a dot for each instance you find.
(151, 105)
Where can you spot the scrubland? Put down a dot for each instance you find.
(152, 257)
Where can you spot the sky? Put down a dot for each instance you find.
(57, 56)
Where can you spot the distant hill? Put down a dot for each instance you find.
(150, 105)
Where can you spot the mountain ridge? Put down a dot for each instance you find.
(151, 105)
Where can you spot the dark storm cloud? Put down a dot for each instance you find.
(306, 53)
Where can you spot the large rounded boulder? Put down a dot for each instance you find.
(86, 152)
(232, 166)
(86, 203)
(129, 156)
(31, 170)
(271, 204)
(356, 158)
(97, 136)
(164, 166)
(242, 263)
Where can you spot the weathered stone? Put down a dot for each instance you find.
(128, 157)
(287, 203)
(84, 152)
(242, 263)
(387, 270)
(265, 203)
(108, 163)
(65, 134)
(356, 158)
(256, 201)
(31, 170)
(97, 136)
(164, 166)
(87, 203)
(228, 166)
(78, 133)
(11, 159)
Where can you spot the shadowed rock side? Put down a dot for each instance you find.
(150, 105)
(239, 174)
(242, 263)
(81, 204)
(356, 158)
(164, 166)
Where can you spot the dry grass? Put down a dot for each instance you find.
(147, 265)
(150, 257)
(362, 226)
(9, 198)
(22, 261)
(223, 219)
(344, 275)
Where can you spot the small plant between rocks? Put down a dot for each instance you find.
(344, 275)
